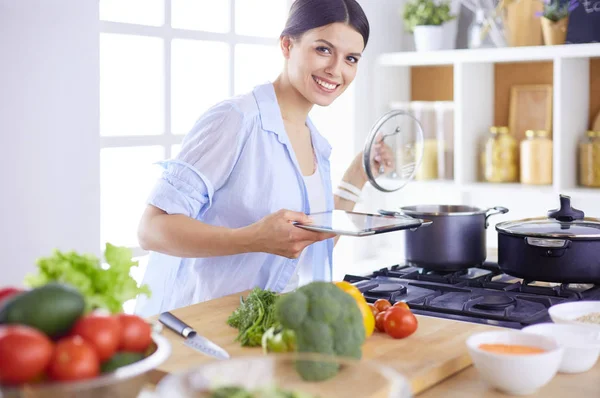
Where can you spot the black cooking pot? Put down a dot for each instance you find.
(563, 247)
(456, 240)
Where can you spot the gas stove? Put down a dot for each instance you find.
(482, 294)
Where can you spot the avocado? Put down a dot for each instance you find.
(120, 359)
(52, 308)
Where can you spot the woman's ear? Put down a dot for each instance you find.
(286, 44)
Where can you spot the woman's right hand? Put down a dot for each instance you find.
(276, 234)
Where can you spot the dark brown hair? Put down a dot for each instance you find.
(310, 14)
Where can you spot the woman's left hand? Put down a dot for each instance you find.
(383, 159)
(382, 162)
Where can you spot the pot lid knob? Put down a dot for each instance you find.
(399, 135)
(566, 212)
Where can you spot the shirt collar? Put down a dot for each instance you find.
(271, 120)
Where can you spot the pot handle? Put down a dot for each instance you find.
(494, 211)
(424, 223)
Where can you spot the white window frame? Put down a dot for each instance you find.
(167, 33)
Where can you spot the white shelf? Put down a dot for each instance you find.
(495, 55)
(503, 188)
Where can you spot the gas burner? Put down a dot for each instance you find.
(482, 294)
(387, 288)
(495, 302)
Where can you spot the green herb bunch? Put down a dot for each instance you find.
(254, 317)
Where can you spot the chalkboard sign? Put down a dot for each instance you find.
(584, 22)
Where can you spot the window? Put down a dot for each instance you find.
(162, 64)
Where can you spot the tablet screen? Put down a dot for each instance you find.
(358, 224)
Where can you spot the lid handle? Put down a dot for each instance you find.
(566, 212)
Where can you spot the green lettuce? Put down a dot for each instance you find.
(104, 287)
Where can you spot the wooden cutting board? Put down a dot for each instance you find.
(434, 352)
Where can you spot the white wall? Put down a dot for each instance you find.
(49, 165)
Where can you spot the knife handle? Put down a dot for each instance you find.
(176, 324)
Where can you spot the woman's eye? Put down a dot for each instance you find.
(324, 50)
(352, 59)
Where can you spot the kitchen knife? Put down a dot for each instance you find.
(192, 339)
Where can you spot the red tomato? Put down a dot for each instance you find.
(382, 305)
(136, 334)
(9, 292)
(73, 359)
(379, 321)
(399, 322)
(101, 331)
(24, 353)
(374, 309)
(401, 304)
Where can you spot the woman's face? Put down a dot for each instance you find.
(323, 62)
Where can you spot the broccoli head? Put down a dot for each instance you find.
(326, 320)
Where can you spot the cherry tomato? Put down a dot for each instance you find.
(374, 309)
(401, 304)
(101, 331)
(24, 354)
(399, 322)
(382, 305)
(379, 321)
(136, 334)
(73, 359)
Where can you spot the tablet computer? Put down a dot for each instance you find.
(342, 222)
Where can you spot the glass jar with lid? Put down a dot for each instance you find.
(500, 156)
(536, 158)
(444, 111)
(589, 160)
(424, 112)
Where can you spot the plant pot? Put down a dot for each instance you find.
(554, 32)
(429, 37)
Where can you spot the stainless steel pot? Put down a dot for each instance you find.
(455, 240)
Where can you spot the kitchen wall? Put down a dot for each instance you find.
(49, 124)
(49, 165)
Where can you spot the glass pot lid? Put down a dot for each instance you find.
(393, 151)
(565, 222)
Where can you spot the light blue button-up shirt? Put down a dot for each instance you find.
(235, 167)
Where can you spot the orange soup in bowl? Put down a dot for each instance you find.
(511, 349)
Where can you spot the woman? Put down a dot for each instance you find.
(219, 221)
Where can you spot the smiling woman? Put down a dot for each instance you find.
(220, 219)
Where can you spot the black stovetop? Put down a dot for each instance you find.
(481, 294)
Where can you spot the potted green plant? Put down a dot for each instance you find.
(425, 18)
(555, 20)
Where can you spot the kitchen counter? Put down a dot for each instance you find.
(434, 359)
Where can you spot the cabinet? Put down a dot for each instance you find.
(479, 82)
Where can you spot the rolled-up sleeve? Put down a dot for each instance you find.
(207, 157)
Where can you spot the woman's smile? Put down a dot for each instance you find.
(325, 85)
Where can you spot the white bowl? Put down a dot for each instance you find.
(569, 312)
(581, 345)
(516, 374)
